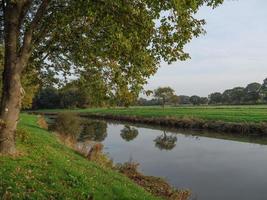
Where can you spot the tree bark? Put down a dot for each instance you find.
(11, 93)
(10, 108)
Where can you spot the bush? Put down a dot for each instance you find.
(68, 124)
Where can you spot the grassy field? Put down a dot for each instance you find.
(256, 113)
(46, 169)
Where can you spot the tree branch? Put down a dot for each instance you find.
(24, 10)
(27, 41)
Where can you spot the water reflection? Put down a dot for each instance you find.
(165, 142)
(94, 131)
(204, 162)
(129, 133)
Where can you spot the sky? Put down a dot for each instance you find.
(232, 53)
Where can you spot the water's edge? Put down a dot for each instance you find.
(243, 128)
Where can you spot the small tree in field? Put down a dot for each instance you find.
(164, 94)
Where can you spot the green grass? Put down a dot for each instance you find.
(257, 113)
(49, 170)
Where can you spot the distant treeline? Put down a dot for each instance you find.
(253, 93)
(67, 97)
(77, 94)
(74, 95)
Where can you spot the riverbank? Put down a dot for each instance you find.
(191, 123)
(237, 113)
(46, 169)
(249, 120)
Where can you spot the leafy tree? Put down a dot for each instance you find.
(204, 100)
(142, 102)
(234, 96)
(47, 98)
(195, 100)
(227, 96)
(90, 90)
(215, 98)
(94, 89)
(238, 94)
(252, 93)
(119, 38)
(184, 99)
(164, 94)
(146, 102)
(263, 90)
(70, 97)
(125, 97)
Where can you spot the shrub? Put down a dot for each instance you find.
(67, 124)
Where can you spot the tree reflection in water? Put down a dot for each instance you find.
(129, 133)
(165, 142)
(94, 131)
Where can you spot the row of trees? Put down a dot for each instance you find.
(253, 93)
(166, 95)
(69, 96)
(78, 94)
(82, 93)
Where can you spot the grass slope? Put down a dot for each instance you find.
(224, 113)
(49, 170)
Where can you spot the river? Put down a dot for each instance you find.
(212, 166)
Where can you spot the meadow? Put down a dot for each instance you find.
(243, 113)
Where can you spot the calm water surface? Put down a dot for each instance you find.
(212, 168)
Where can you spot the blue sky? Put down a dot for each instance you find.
(232, 53)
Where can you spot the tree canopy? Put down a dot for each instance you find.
(121, 41)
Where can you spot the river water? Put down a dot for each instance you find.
(212, 166)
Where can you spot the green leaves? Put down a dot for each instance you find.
(124, 41)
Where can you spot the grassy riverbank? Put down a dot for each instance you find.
(255, 114)
(250, 120)
(46, 169)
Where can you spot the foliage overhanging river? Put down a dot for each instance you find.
(213, 166)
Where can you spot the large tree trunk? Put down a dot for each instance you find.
(17, 53)
(10, 109)
(13, 65)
